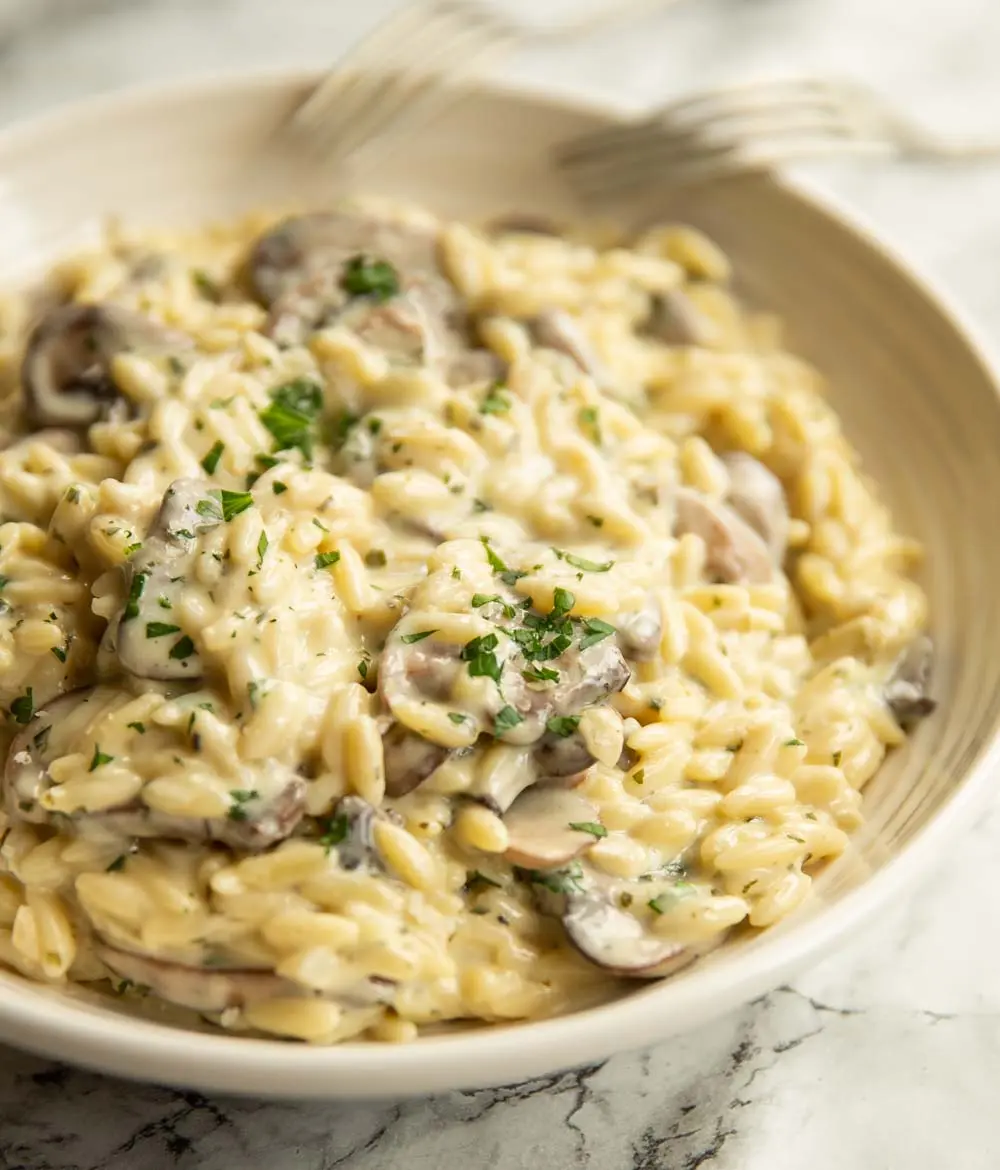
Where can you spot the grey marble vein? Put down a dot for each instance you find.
(885, 1056)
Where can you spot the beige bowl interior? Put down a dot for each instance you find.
(915, 398)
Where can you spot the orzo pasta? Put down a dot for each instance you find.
(405, 622)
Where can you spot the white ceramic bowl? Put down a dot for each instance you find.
(916, 397)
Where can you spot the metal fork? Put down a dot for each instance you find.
(756, 126)
(413, 62)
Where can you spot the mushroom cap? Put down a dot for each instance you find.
(617, 941)
(906, 689)
(756, 494)
(538, 826)
(733, 550)
(66, 372)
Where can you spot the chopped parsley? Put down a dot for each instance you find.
(589, 420)
(591, 827)
(233, 503)
(562, 602)
(335, 831)
(240, 798)
(292, 415)
(60, 652)
(506, 719)
(363, 667)
(495, 402)
(540, 674)
(140, 727)
(582, 563)
(457, 717)
(98, 759)
(663, 902)
(794, 743)
(563, 725)
(496, 563)
(476, 881)
(482, 661)
(205, 285)
(481, 599)
(639, 776)
(367, 276)
(160, 629)
(23, 707)
(279, 488)
(211, 460)
(262, 544)
(568, 880)
(184, 648)
(118, 864)
(327, 558)
(409, 639)
(597, 631)
(134, 595)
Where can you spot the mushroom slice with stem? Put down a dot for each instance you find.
(301, 246)
(905, 690)
(66, 373)
(556, 329)
(149, 643)
(734, 552)
(212, 989)
(617, 941)
(409, 759)
(540, 826)
(262, 813)
(757, 495)
(674, 320)
(203, 989)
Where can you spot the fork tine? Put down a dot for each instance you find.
(662, 144)
(345, 110)
(704, 110)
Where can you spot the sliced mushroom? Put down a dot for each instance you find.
(539, 828)
(907, 686)
(757, 495)
(559, 756)
(212, 989)
(203, 989)
(304, 245)
(639, 633)
(556, 329)
(66, 372)
(409, 759)
(617, 941)
(734, 551)
(675, 321)
(149, 643)
(268, 815)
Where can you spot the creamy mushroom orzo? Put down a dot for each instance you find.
(404, 622)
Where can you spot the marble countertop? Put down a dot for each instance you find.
(884, 1057)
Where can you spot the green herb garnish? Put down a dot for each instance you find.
(367, 276)
(184, 648)
(160, 629)
(98, 759)
(134, 595)
(591, 827)
(597, 631)
(409, 639)
(327, 558)
(211, 460)
(495, 402)
(563, 725)
(506, 719)
(582, 563)
(23, 707)
(292, 414)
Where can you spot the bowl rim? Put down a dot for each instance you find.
(63, 1028)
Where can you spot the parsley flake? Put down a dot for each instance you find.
(409, 639)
